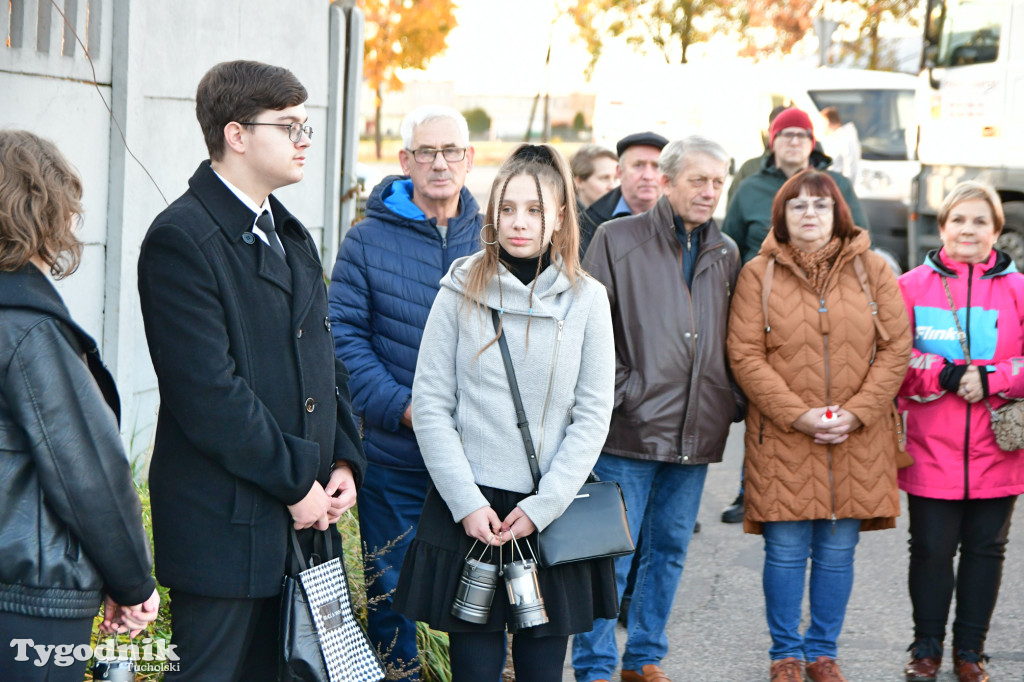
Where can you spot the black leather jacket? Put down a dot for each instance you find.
(70, 519)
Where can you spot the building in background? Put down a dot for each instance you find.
(147, 58)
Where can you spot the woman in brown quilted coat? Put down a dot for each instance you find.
(820, 369)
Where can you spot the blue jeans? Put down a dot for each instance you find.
(662, 501)
(787, 546)
(390, 502)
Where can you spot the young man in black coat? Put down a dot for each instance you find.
(255, 430)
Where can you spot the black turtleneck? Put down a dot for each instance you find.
(525, 269)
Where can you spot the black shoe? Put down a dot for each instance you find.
(734, 512)
(696, 527)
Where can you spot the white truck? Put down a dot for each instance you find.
(731, 105)
(971, 99)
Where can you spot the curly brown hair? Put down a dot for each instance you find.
(40, 204)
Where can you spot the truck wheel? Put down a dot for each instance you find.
(1011, 240)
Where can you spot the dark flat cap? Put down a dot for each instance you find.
(647, 139)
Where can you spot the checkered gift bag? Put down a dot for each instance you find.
(321, 639)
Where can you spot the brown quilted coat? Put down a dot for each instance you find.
(809, 359)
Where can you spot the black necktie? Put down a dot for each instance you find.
(266, 223)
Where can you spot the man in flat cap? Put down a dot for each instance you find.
(668, 272)
(640, 188)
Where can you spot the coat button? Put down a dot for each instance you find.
(298, 334)
(310, 404)
(327, 323)
(248, 238)
(686, 335)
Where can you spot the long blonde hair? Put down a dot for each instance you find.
(544, 164)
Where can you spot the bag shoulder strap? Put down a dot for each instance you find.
(766, 290)
(521, 421)
(862, 275)
(961, 336)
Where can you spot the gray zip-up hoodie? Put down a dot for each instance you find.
(462, 409)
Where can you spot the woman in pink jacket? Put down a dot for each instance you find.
(962, 487)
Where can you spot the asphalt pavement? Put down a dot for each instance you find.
(717, 632)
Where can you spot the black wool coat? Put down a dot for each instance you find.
(253, 404)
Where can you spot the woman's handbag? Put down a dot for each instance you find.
(594, 524)
(1008, 420)
(1008, 425)
(321, 641)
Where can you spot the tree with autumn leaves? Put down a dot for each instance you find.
(401, 34)
(406, 34)
(672, 26)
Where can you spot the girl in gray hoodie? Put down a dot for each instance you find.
(557, 324)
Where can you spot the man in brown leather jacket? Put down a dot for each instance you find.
(669, 273)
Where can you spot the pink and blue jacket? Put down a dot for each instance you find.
(954, 450)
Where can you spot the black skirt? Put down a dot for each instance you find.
(574, 594)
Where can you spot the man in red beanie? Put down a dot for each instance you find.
(749, 215)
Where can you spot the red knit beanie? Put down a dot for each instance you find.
(790, 118)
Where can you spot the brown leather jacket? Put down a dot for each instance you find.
(674, 396)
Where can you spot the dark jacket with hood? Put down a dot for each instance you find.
(70, 520)
(388, 271)
(674, 397)
(749, 215)
(598, 213)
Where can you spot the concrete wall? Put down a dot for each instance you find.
(149, 58)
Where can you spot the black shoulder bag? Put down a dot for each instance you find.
(594, 525)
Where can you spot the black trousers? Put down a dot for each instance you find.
(980, 528)
(480, 656)
(42, 631)
(224, 640)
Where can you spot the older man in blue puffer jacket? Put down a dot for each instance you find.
(387, 274)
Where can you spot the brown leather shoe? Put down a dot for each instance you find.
(787, 670)
(969, 666)
(922, 669)
(925, 660)
(649, 673)
(824, 669)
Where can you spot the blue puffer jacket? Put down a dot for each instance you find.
(388, 272)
